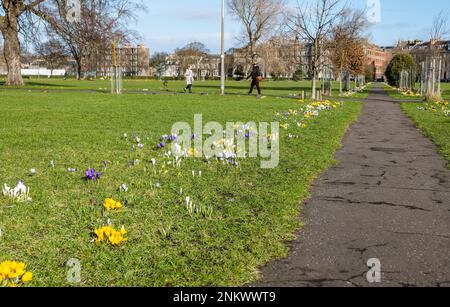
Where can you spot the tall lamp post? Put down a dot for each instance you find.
(222, 52)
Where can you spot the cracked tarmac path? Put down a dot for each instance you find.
(389, 198)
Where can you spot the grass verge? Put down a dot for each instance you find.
(434, 125)
(254, 211)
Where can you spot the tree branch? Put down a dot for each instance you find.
(33, 4)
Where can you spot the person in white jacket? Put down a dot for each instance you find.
(189, 74)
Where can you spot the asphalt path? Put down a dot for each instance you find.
(388, 199)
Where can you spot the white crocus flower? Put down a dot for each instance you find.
(20, 187)
(123, 187)
(6, 190)
(19, 193)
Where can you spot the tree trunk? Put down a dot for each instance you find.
(79, 70)
(11, 52)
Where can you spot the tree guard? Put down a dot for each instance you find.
(430, 81)
(116, 74)
(406, 80)
(327, 76)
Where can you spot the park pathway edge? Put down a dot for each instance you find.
(388, 199)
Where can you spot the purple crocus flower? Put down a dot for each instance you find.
(173, 137)
(92, 175)
(193, 136)
(161, 145)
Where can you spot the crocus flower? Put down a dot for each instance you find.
(20, 187)
(19, 193)
(173, 137)
(92, 175)
(140, 146)
(123, 187)
(33, 171)
(161, 145)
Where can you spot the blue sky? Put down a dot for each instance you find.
(172, 23)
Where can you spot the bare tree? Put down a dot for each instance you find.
(440, 25)
(258, 18)
(439, 30)
(90, 38)
(345, 36)
(192, 54)
(14, 15)
(53, 53)
(159, 62)
(314, 24)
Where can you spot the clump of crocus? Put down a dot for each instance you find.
(20, 193)
(173, 138)
(111, 204)
(13, 274)
(92, 175)
(110, 235)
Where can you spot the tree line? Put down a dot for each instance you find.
(333, 31)
(82, 29)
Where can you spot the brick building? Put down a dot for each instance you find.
(378, 58)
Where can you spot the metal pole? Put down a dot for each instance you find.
(222, 52)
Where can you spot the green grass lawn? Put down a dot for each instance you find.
(281, 88)
(434, 125)
(254, 211)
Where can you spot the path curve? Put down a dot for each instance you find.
(389, 198)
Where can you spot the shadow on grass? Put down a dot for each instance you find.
(40, 84)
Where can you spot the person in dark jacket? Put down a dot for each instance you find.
(256, 76)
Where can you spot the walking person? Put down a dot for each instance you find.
(256, 76)
(189, 74)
